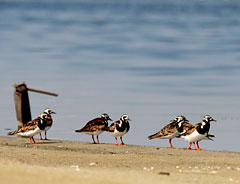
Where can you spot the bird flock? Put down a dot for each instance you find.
(180, 128)
(177, 128)
(99, 125)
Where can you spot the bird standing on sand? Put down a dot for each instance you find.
(48, 111)
(198, 132)
(96, 126)
(119, 128)
(172, 130)
(32, 128)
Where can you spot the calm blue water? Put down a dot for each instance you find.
(151, 59)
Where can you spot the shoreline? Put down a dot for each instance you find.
(111, 163)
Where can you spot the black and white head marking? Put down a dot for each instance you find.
(203, 124)
(208, 118)
(125, 117)
(48, 111)
(43, 116)
(106, 116)
(180, 120)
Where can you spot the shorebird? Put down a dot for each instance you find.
(172, 130)
(48, 111)
(119, 128)
(198, 132)
(32, 128)
(96, 126)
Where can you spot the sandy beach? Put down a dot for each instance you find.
(80, 162)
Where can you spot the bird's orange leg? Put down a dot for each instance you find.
(117, 141)
(32, 140)
(190, 145)
(170, 142)
(98, 141)
(199, 147)
(195, 146)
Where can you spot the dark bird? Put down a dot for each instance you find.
(96, 126)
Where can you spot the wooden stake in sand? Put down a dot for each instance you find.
(22, 104)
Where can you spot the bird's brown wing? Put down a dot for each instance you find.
(187, 126)
(112, 127)
(24, 129)
(189, 129)
(93, 125)
(33, 122)
(168, 129)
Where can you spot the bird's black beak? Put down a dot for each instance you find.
(53, 112)
(109, 119)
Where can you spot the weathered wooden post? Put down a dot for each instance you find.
(22, 104)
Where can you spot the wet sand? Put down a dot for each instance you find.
(80, 162)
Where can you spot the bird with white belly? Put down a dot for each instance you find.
(198, 132)
(32, 128)
(48, 111)
(119, 128)
(171, 130)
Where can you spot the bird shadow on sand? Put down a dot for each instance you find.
(44, 142)
(49, 142)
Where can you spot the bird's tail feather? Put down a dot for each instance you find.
(80, 130)
(13, 132)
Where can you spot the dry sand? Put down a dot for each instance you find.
(56, 161)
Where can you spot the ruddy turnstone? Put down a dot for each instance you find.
(172, 130)
(198, 132)
(32, 128)
(48, 111)
(96, 126)
(119, 128)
